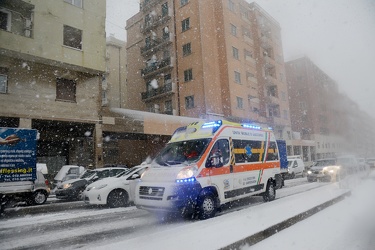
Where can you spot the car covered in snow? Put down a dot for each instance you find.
(72, 189)
(116, 191)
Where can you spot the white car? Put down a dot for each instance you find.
(115, 191)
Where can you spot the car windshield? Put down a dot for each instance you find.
(182, 152)
(126, 172)
(325, 163)
(88, 174)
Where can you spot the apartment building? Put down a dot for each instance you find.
(208, 60)
(52, 57)
(320, 113)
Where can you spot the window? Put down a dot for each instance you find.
(3, 83)
(164, 9)
(188, 75)
(189, 102)
(247, 151)
(237, 77)
(72, 37)
(272, 153)
(248, 55)
(239, 102)
(246, 33)
(283, 96)
(168, 107)
(65, 90)
(231, 5)
(285, 114)
(165, 33)
(235, 53)
(5, 20)
(186, 49)
(233, 30)
(219, 154)
(184, 2)
(167, 79)
(185, 24)
(77, 3)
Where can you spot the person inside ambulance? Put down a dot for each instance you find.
(219, 155)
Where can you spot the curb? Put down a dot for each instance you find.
(257, 237)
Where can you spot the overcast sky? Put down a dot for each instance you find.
(337, 35)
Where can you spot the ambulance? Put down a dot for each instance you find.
(208, 164)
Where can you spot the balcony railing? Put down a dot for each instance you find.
(154, 22)
(148, 4)
(155, 45)
(156, 67)
(159, 92)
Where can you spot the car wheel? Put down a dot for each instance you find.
(292, 176)
(207, 206)
(117, 198)
(270, 193)
(39, 197)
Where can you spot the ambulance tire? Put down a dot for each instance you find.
(270, 193)
(206, 206)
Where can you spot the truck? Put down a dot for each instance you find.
(208, 164)
(19, 178)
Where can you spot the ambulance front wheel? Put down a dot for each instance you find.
(207, 206)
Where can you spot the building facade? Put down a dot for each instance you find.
(52, 57)
(208, 60)
(323, 115)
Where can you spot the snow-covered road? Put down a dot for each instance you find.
(97, 227)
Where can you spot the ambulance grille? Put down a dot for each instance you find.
(151, 193)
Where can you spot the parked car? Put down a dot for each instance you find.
(323, 170)
(370, 162)
(72, 189)
(295, 166)
(115, 191)
(68, 172)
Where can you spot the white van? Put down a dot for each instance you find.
(295, 166)
(205, 165)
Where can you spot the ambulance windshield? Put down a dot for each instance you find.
(183, 152)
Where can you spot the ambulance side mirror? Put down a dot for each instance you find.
(215, 160)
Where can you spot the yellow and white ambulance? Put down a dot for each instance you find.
(207, 164)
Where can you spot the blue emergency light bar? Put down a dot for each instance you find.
(250, 126)
(215, 125)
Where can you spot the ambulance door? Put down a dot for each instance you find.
(220, 171)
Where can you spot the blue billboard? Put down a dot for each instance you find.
(17, 154)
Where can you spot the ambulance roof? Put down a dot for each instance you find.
(198, 130)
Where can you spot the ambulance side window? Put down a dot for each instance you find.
(219, 154)
(248, 151)
(272, 154)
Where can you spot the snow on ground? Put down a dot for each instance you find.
(221, 231)
(348, 225)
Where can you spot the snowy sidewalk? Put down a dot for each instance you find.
(222, 231)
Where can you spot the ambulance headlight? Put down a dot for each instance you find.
(187, 175)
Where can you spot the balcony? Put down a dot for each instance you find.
(17, 17)
(148, 5)
(156, 68)
(154, 22)
(155, 45)
(272, 100)
(265, 42)
(162, 91)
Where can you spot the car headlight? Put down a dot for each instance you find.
(309, 172)
(325, 169)
(67, 185)
(187, 174)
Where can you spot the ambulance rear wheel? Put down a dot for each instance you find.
(270, 193)
(207, 206)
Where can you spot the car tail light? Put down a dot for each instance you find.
(47, 183)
